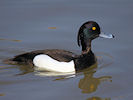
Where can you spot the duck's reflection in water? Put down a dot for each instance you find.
(98, 98)
(89, 83)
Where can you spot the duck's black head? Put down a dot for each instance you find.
(89, 31)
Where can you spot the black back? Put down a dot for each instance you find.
(59, 55)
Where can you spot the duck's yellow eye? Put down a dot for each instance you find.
(93, 28)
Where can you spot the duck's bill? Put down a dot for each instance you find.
(104, 35)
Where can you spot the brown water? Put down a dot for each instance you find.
(27, 25)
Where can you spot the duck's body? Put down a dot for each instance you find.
(55, 60)
(59, 55)
(61, 60)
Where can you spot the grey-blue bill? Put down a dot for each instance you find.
(104, 35)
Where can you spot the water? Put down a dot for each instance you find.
(26, 26)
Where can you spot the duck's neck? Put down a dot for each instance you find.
(86, 48)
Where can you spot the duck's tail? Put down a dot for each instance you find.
(9, 61)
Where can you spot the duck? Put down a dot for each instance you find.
(63, 61)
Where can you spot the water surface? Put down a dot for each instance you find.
(27, 25)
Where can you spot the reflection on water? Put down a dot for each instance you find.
(48, 73)
(25, 69)
(14, 40)
(89, 83)
(2, 94)
(98, 98)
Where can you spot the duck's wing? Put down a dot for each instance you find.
(27, 58)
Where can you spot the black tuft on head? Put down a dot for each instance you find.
(88, 31)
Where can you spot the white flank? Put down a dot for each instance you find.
(45, 62)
